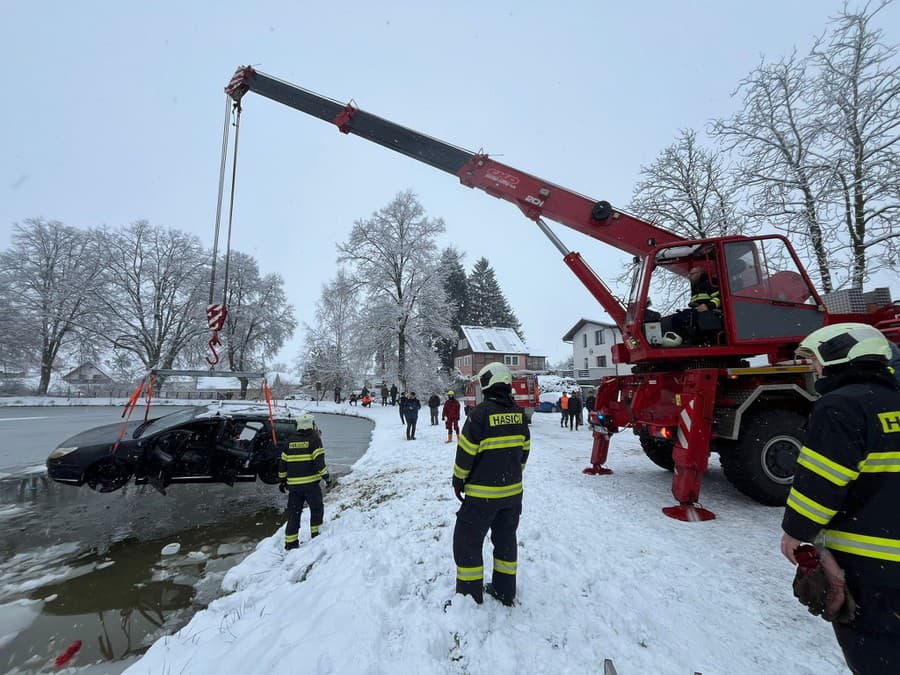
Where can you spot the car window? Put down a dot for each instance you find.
(176, 419)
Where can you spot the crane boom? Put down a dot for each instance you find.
(536, 197)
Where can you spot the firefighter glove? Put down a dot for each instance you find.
(458, 493)
(819, 585)
(282, 486)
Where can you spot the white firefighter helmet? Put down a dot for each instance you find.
(494, 373)
(305, 421)
(671, 339)
(845, 343)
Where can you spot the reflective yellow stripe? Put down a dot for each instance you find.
(282, 474)
(288, 538)
(314, 529)
(863, 545)
(826, 468)
(467, 445)
(809, 508)
(459, 472)
(881, 462)
(307, 457)
(470, 573)
(493, 491)
(526, 446)
(303, 480)
(505, 566)
(501, 442)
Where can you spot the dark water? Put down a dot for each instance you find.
(79, 565)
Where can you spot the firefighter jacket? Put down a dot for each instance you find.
(847, 485)
(302, 458)
(704, 293)
(492, 451)
(451, 410)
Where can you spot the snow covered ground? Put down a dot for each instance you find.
(602, 575)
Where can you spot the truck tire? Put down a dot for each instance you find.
(762, 461)
(659, 452)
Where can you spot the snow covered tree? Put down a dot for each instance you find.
(393, 255)
(330, 346)
(49, 276)
(487, 304)
(687, 190)
(456, 289)
(155, 291)
(818, 139)
(259, 320)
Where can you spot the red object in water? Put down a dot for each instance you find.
(64, 658)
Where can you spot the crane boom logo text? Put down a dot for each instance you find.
(503, 178)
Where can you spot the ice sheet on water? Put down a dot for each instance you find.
(16, 616)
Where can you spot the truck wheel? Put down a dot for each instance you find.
(108, 475)
(659, 452)
(762, 461)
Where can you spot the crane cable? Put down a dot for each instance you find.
(216, 314)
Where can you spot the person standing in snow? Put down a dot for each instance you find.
(393, 393)
(384, 394)
(411, 413)
(434, 402)
(300, 468)
(846, 496)
(451, 415)
(563, 404)
(403, 400)
(490, 457)
(575, 408)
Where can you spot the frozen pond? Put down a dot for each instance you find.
(80, 565)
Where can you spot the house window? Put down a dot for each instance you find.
(601, 362)
(490, 345)
(584, 340)
(467, 360)
(511, 360)
(585, 358)
(598, 337)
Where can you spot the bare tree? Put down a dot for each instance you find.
(687, 190)
(818, 139)
(155, 292)
(394, 253)
(858, 93)
(49, 275)
(259, 320)
(331, 354)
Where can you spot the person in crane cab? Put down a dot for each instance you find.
(683, 324)
(845, 496)
(490, 458)
(301, 467)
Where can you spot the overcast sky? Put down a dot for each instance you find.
(114, 114)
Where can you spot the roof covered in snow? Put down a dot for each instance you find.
(493, 340)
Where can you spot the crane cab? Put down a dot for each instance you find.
(765, 301)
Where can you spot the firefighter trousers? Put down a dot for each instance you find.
(298, 496)
(871, 642)
(473, 520)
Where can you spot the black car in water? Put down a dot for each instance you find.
(217, 443)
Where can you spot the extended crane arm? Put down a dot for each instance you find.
(536, 197)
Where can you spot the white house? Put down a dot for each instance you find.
(592, 343)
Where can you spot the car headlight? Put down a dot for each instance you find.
(62, 452)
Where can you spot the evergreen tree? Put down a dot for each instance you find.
(487, 305)
(456, 288)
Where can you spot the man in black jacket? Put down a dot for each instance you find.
(704, 298)
(301, 467)
(846, 493)
(434, 402)
(492, 451)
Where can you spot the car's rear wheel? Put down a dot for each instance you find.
(108, 475)
(269, 476)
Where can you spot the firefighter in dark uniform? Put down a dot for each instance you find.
(301, 467)
(491, 454)
(846, 493)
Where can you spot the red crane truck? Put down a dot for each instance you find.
(683, 402)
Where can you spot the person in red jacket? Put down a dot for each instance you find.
(451, 415)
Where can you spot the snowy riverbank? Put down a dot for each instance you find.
(602, 574)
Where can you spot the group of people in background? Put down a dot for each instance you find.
(572, 409)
